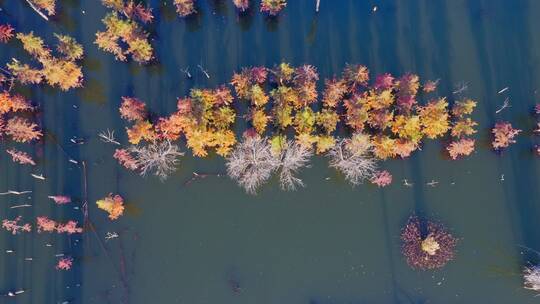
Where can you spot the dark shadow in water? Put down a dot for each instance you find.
(271, 23)
(245, 19)
(218, 7)
(194, 21)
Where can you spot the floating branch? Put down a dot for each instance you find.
(108, 137)
(15, 192)
(204, 71)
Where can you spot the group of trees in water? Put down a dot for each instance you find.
(356, 121)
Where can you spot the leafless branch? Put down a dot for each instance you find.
(186, 71)
(108, 137)
(204, 71)
(506, 104)
(461, 87)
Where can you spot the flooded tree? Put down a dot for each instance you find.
(251, 163)
(531, 277)
(124, 35)
(272, 7)
(461, 147)
(503, 135)
(381, 178)
(6, 32)
(21, 157)
(185, 8)
(353, 157)
(426, 245)
(290, 158)
(241, 5)
(158, 158)
(113, 205)
(58, 69)
(15, 227)
(64, 263)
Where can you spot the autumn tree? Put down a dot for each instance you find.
(503, 135)
(185, 7)
(113, 205)
(124, 35)
(462, 127)
(272, 7)
(58, 68)
(6, 33)
(241, 5)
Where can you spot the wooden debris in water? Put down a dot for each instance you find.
(506, 104)
(36, 176)
(107, 136)
(204, 71)
(432, 183)
(15, 192)
(186, 71)
(20, 206)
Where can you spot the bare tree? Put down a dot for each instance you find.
(353, 158)
(531, 276)
(293, 156)
(159, 158)
(251, 163)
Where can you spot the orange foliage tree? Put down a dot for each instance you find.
(123, 35)
(272, 7)
(114, 205)
(58, 69)
(185, 7)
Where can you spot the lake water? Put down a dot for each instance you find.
(207, 241)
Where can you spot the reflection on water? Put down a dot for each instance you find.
(208, 242)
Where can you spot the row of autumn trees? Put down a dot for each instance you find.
(288, 122)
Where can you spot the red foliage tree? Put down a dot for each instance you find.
(22, 130)
(125, 159)
(6, 32)
(460, 147)
(381, 178)
(64, 263)
(14, 227)
(132, 109)
(60, 199)
(503, 135)
(21, 157)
